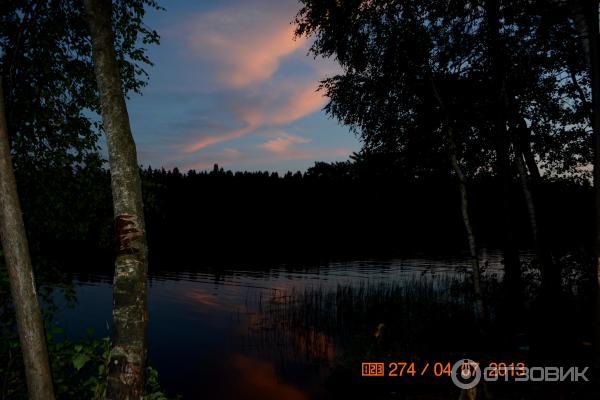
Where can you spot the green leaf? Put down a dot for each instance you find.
(79, 360)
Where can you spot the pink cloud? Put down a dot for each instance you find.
(246, 43)
(283, 143)
(305, 101)
(241, 48)
(294, 101)
(208, 140)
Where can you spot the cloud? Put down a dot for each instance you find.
(245, 43)
(263, 110)
(232, 153)
(208, 140)
(305, 101)
(245, 82)
(283, 143)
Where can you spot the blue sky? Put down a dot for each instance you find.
(230, 85)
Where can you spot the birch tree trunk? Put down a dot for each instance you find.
(128, 342)
(524, 161)
(465, 394)
(525, 187)
(20, 273)
(464, 207)
(551, 278)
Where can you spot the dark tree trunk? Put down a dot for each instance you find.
(20, 273)
(464, 208)
(550, 272)
(524, 161)
(464, 205)
(465, 394)
(525, 147)
(512, 263)
(527, 193)
(128, 344)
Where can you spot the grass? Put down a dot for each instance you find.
(420, 319)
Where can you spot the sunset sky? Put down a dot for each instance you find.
(230, 85)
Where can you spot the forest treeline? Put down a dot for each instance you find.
(372, 206)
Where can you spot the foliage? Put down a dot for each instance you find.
(78, 367)
(391, 52)
(47, 71)
(82, 368)
(52, 104)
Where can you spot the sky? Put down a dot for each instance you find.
(231, 85)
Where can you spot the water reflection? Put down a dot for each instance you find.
(208, 336)
(258, 380)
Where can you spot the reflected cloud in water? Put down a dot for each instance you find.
(254, 379)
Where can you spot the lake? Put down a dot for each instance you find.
(209, 330)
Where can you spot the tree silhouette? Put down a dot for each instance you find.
(507, 71)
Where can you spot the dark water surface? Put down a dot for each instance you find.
(203, 323)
